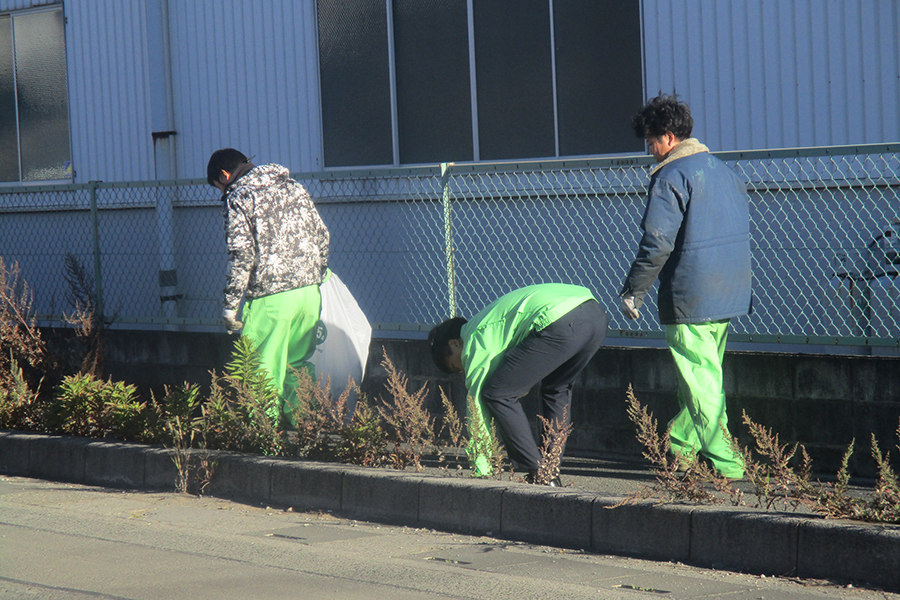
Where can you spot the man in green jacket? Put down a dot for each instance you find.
(545, 334)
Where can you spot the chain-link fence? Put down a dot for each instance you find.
(417, 245)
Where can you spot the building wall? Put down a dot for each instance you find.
(783, 74)
(758, 75)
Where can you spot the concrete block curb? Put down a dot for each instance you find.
(720, 537)
(59, 458)
(544, 515)
(15, 452)
(379, 495)
(160, 473)
(114, 464)
(847, 550)
(643, 529)
(240, 477)
(306, 485)
(768, 541)
(464, 505)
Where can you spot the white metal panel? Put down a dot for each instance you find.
(106, 50)
(245, 76)
(11, 5)
(778, 73)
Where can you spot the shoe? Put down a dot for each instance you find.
(531, 477)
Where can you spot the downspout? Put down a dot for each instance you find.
(162, 121)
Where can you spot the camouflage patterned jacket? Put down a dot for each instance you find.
(275, 238)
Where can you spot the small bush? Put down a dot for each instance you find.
(242, 412)
(20, 407)
(363, 440)
(484, 442)
(90, 407)
(554, 437)
(410, 427)
(682, 479)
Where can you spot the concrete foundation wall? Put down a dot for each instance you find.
(821, 401)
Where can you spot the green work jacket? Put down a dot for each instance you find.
(501, 326)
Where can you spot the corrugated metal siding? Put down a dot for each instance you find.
(245, 76)
(779, 73)
(757, 73)
(109, 116)
(9, 5)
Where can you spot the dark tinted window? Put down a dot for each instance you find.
(434, 108)
(515, 83)
(355, 82)
(598, 75)
(9, 145)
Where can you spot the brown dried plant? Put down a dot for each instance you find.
(554, 437)
(410, 426)
(483, 440)
(676, 480)
(451, 439)
(20, 338)
(316, 417)
(774, 479)
(363, 440)
(85, 318)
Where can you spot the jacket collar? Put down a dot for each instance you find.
(685, 148)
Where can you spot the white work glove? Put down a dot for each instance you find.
(630, 306)
(231, 321)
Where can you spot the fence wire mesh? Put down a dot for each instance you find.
(418, 245)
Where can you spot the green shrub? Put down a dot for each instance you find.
(242, 412)
(91, 407)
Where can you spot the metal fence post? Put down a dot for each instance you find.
(98, 279)
(448, 239)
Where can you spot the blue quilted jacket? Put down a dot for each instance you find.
(696, 239)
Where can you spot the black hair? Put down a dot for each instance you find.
(439, 341)
(664, 114)
(226, 159)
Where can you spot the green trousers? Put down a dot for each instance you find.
(698, 349)
(283, 327)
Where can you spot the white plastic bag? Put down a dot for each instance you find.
(343, 335)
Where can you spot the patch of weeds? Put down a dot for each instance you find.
(451, 439)
(363, 440)
(484, 443)
(242, 411)
(20, 407)
(22, 354)
(316, 417)
(410, 427)
(774, 479)
(677, 480)
(883, 506)
(554, 437)
(90, 407)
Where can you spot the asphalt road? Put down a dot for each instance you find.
(64, 541)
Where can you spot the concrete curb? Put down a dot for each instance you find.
(738, 539)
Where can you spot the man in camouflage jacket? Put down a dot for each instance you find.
(277, 257)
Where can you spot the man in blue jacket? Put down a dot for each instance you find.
(696, 241)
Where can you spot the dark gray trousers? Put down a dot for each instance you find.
(552, 357)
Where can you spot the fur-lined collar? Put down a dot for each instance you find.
(684, 148)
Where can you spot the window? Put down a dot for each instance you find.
(410, 82)
(34, 106)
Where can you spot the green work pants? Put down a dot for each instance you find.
(283, 328)
(698, 349)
